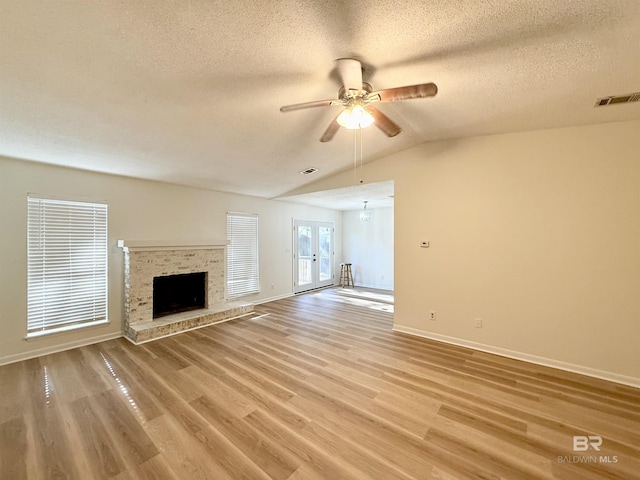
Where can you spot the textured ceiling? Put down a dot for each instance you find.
(189, 91)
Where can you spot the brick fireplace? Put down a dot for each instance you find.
(144, 261)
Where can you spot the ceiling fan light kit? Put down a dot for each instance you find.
(354, 117)
(357, 98)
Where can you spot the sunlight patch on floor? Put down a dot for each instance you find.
(355, 297)
(380, 296)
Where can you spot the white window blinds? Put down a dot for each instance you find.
(67, 265)
(242, 255)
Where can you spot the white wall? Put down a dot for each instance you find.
(138, 210)
(369, 247)
(536, 233)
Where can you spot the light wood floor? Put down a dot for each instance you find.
(312, 387)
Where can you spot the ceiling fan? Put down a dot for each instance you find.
(358, 98)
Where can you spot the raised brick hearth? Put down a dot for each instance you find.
(145, 260)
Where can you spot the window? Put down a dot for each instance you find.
(67, 265)
(242, 254)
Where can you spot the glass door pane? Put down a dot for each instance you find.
(305, 259)
(324, 253)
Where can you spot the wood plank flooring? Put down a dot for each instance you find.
(311, 387)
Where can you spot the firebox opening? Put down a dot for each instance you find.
(179, 293)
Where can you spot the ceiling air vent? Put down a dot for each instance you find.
(309, 171)
(628, 98)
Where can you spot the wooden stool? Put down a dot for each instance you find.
(346, 277)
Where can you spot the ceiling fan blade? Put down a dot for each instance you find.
(350, 73)
(405, 93)
(330, 131)
(384, 123)
(300, 106)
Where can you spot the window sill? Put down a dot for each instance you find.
(63, 329)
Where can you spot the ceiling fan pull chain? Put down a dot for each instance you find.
(361, 158)
(355, 156)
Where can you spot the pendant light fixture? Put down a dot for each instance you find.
(365, 215)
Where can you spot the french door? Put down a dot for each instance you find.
(313, 255)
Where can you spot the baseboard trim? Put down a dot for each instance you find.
(375, 287)
(273, 299)
(504, 352)
(313, 290)
(57, 348)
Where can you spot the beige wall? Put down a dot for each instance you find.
(138, 210)
(536, 233)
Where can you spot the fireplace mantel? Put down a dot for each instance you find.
(159, 245)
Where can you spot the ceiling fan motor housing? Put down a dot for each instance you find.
(345, 94)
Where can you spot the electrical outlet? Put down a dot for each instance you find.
(478, 323)
(432, 315)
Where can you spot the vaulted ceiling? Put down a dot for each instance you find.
(188, 91)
